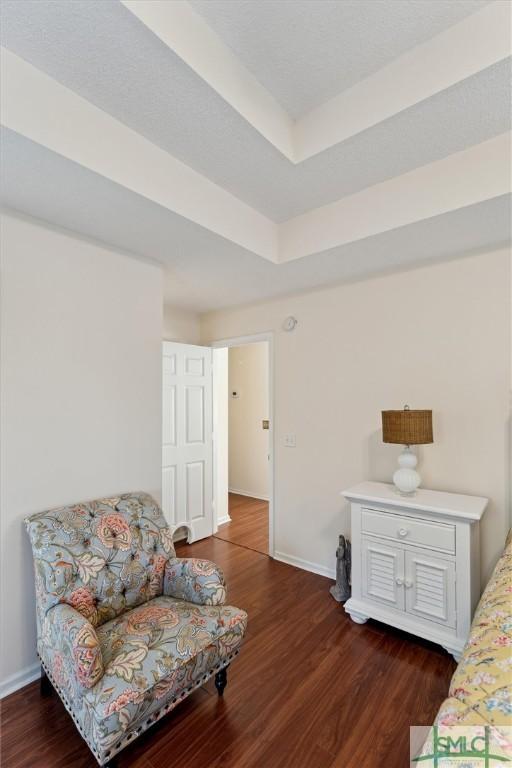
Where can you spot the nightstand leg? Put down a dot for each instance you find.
(358, 618)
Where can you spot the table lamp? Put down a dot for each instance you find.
(407, 428)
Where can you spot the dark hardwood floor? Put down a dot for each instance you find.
(249, 523)
(310, 688)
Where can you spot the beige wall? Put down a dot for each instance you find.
(81, 331)
(181, 325)
(436, 337)
(248, 441)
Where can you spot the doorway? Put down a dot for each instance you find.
(207, 487)
(243, 445)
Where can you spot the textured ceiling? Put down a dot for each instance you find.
(204, 271)
(305, 52)
(147, 87)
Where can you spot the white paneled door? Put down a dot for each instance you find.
(187, 450)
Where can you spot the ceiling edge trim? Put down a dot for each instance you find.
(186, 33)
(461, 51)
(37, 107)
(41, 109)
(470, 176)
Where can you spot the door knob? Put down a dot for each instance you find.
(403, 532)
(399, 581)
(408, 583)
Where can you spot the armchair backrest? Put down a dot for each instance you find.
(102, 557)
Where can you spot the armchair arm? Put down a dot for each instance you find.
(196, 581)
(68, 635)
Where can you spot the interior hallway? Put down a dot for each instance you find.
(249, 523)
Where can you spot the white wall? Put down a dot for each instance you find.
(181, 325)
(248, 441)
(81, 331)
(436, 337)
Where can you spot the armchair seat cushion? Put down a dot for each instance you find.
(154, 652)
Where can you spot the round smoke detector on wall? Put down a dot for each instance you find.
(290, 323)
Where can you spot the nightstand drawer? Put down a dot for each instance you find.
(409, 529)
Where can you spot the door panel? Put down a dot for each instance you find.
(169, 415)
(187, 450)
(169, 362)
(430, 588)
(194, 366)
(169, 491)
(194, 415)
(195, 490)
(383, 568)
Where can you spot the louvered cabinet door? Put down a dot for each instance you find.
(383, 570)
(430, 588)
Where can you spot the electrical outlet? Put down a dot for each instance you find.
(290, 440)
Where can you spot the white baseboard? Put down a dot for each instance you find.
(19, 679)
(224, 519)
(306, 565)
(245, 493)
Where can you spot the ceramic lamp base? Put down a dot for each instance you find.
(406, 479)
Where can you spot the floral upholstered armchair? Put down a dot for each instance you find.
(125, 630)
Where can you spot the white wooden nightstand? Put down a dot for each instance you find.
(416, 561)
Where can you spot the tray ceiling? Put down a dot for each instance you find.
(305, 52)
(254, 134)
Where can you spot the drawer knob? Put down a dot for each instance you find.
(403, 532)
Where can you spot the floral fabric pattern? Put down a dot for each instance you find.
(156, 646)
(198, 581)
(72, 643)
(103, 557)
(481, 688)
(125, 629)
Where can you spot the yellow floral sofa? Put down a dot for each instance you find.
(481, 689)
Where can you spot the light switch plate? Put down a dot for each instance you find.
(290, 440)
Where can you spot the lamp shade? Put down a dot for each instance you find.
(407, 427)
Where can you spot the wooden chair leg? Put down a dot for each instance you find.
(46, 687)
(221, 679)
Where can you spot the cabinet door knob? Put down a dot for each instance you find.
(408, 583)
(403, 532)
(399, 581)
